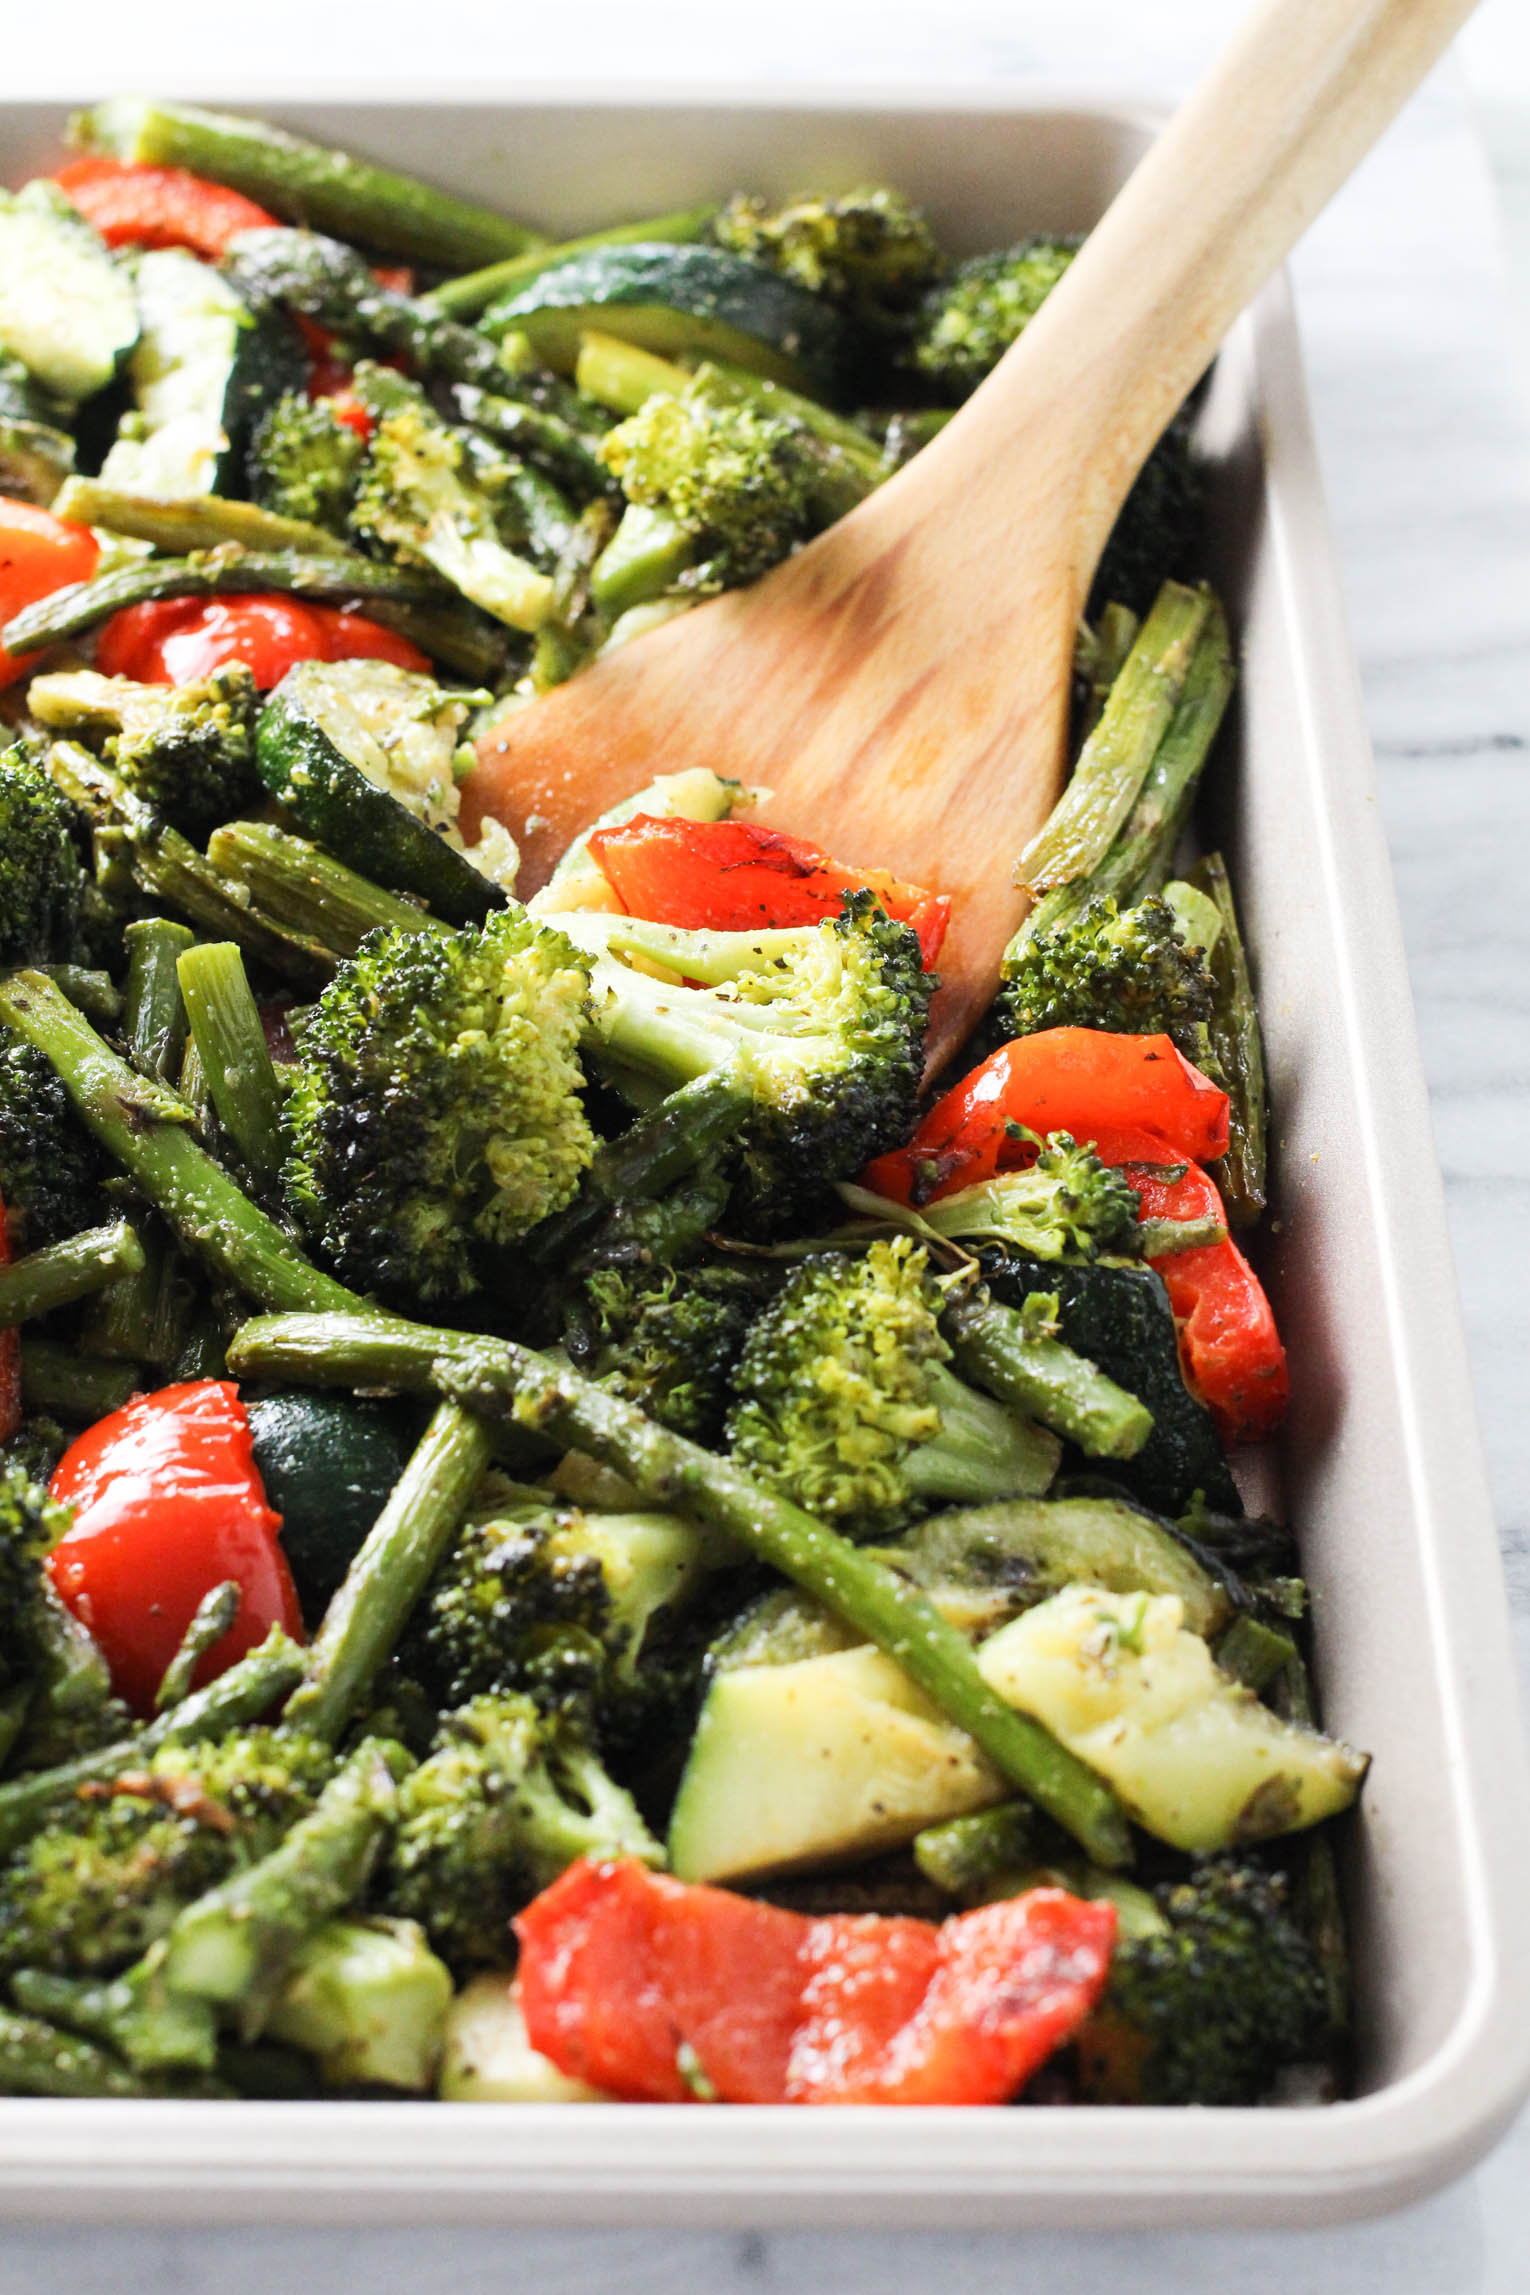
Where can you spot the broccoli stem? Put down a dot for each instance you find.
(246, 1691)
(231, 1043)
(468, 296)
(213, 1218)
(644, 557)
(1239, 1048)
(209, 1622)
(77, 1388)
(307, 890)
(154, 1018)
(142, 1318)
(533, 431)
(134, 2014)
(391, 1570)
(965, 1853)
(197, 522)
(1040, 1375)
(234, 1945)
(983, 1450)
(224, 572)
(92, 991)
(331, 190)
(64, 1272)
(1114, 761)
(37, 2059)
(502, 1380)
(623, 376)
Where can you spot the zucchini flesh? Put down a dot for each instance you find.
(67, 312)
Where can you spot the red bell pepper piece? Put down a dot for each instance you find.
(175, 641)
(168, 1504)
(1229, 1347)
(1078, 1080)
(10, 1353)
(655, 1990)
(38, 554)
(135, 205)
(737, 876)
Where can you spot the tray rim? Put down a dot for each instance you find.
(249, 2161)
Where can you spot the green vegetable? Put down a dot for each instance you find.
(303, 461)
(370, 2000)
(466, 297)
(154, 1018)
(1238, 1047)
(1132, 972)
(42, 884)
(230, 1038)
(209, 1622)
(186, 750)
(1006, 1351)
(197, 522)
(67, 312)
(50, 1168)
(967, 322)
(870, 252)
(75, 1386)
(418, 496)
(328, 1465)
(308, 890)
(63, 1272)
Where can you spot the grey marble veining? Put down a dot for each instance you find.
(1420, 414)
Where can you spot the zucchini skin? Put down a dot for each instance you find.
(310, 182)
(334, 803)
(685, 298)
(328, 1464)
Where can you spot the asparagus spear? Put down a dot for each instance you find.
(79, 1388)
(308, 891)
(146, 1131)
(963, 1854)
(466, 297)
(64, 1272)
(1035, 1373)
(135, 2014)
(191, 522)
(209, 1622)
(390, 1572)
(37, 2059)
(154, 1020)
(498, 1379)
(1114, 761)
(231, 1043)
(1239, 1047)
(534, 431)
(397, 214)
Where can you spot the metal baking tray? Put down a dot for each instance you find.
(1381, 1461)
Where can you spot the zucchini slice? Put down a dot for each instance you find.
(329, 1464)
(682, 302)
(204, 370)
(364, 756)
(66, 310)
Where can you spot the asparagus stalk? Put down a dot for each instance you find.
(224, 572)
(248, 1689)
(1239, 1047)
(307, 890)
(1109, 643)
(623, 376)
(1254, 1653)
(1115, 760)
(178, 524)
(500, 1380)
(664, 1144)
(390, 1571)
(534, 431)
(234, 1945)
(964, 1854)
(468, 296)
(91, 990)
(135, 2014)
(76, 1388)
(397, 214)
(154, 1019)
(1039, 1375)
(212, 1217)
(209, 1622)
(37, 2059)
(231, 1043)
(64, 1272)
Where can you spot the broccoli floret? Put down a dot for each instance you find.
(1129, 971)
(50, 1171)
(1211, 2005)
(718, 492)
(871, 251)
(419, 496)
(1068, 1205)
(1153, 539)
(828, 1019)
(967, 323)
(105, 1878)
(436, 1114)
(42, 880)
(187, 750)
(664, 1338)
(54, 1685)
(844, 1402)
(504, 1803)
(303, 460)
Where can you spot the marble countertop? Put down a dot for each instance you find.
(1419, 361)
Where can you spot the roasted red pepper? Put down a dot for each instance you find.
(134, 205)
(10, 1353)
(168, 1504)
(1229, 1347)
(658, 1991)
(1078, 1080)
(736, 876)
(176, 641)
(38, 554)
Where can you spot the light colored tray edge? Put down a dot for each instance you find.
(416, 2163)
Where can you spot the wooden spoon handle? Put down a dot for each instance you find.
(1224, 194)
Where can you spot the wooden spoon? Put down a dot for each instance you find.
(901, 685)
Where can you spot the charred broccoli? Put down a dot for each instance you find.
(1129, 971)
(1212, 2002)
(967, 322)
(54, 1687)
(664, 1338)
(419, 497)
(844, 1402)
(502, 1805)
(436, 1114)
(303, 461)
(42, 881)
(50, 1171)
(187, 750)
(870, 250)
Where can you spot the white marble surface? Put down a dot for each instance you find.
(1420, 364)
